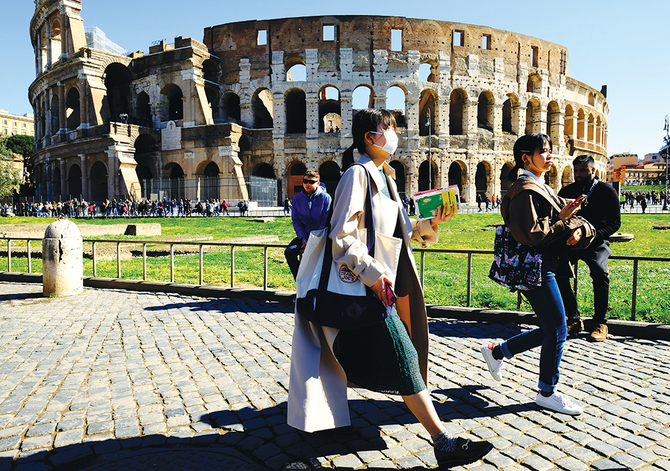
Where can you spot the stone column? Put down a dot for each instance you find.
(62, 260)
(62, 119)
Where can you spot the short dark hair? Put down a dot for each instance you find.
(313, 174)
(584, 159)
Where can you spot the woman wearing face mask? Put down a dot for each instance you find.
(390, 357)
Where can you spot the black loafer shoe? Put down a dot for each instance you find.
(466, 452)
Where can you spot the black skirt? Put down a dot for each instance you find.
(380, 358)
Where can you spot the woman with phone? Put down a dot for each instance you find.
(537, 217)
(390, 357)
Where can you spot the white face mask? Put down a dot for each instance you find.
(391, 140)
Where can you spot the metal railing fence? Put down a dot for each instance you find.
(264, 246)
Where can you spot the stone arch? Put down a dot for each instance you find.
(569, 126)
(458, 175)
(483, 179)
(428, 176)
(296, 72)
(174, 173)
(485, 105)
(98, 177)
(590, 129)
(566, 177)
(396, 101)
(599, 124)
(74, 181)
(172, 103)
(116, 103)
(244, 144)
(330, 109)
(55, 113)
(504, 177)
(264, 170)
(400, 177)
(210, 181)
(362, 97)
(429, 71)
(296, 111)
(551, 177)
(533, 123)
(428, 112)
(329, 173)
(295, 173)
(262, 106)
(231, 112)
(553, 122)
(534, 83)
(143, 109)
(55, 41)
(73, 109)
(510, 115)
(580, 124)
(457, 112)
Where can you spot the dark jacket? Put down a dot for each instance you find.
(531, 214)
(310, 212)
(602, 208)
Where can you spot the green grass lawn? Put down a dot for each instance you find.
(445, 274)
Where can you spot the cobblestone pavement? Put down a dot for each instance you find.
(126, 380)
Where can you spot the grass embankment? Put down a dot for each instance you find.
(445, 274)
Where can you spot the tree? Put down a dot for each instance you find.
(23, 145)
(10, 179)
(20, 144)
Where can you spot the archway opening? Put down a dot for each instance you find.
(396, 102)
(457, 101)
(72, 109)
(74, 182)
(231, 108)
(399, 177)
(296, 111)
(330, 110)
(296, 172)
(427, 175)
(427, 116)
(329, 172)
(117, 81)
(263, 109)
(98, 182)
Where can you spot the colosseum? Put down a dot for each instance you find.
(243, 113)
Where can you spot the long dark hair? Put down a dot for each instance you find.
(365, 121)
(527, 145)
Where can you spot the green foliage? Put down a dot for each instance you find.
(9, 175)
(20, 144)
(445, 274)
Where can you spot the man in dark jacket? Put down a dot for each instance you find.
(601, 209)
(309, 212)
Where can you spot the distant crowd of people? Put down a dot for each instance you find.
(126, 207)
(641, 199)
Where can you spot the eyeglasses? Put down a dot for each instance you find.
(309, 182)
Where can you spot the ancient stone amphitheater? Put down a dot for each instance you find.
(267, 99)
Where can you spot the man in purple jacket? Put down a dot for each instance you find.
(309, 213)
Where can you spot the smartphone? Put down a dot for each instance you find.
(390, 295)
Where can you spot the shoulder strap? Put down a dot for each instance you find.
(369, 225)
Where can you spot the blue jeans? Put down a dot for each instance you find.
(547, 303)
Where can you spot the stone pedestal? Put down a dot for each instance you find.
(62, 264)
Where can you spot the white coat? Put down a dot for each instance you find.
(317, 398)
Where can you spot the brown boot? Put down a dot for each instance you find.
(599, 333)
(575, 327)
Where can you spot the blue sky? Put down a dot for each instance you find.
(624, 45)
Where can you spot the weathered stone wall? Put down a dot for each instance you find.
(480, 88)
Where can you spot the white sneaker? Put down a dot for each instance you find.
(495, 366)
(559, 403)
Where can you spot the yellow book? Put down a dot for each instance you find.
(426, 203)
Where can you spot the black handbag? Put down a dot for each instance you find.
(515, 266)
(342, 311)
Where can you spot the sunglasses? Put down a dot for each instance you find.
(309, 182)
